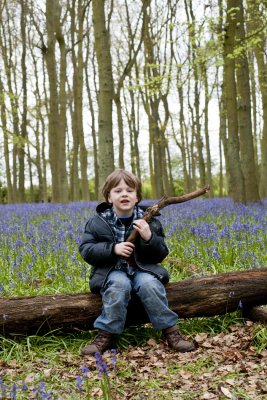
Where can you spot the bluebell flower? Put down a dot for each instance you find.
(101, 365)
(114, 358)
(3, 388)
(13, 391)
(85, 370)
(79, 383)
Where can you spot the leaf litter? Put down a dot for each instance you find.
(224, 366)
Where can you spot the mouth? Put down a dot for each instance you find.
(125, 202)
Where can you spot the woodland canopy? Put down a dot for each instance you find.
(153, 86)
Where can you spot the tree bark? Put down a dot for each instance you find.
(244, 114)
(257, 24)
(57, 103)
(105, 96)
(194, 61)
(153, 100)
(236, 179)
(23, 126)
(3, 114)
(257, 314)
(202, 297)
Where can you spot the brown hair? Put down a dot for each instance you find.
(114, 179)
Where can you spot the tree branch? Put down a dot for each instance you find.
(166, 201)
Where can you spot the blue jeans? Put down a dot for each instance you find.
(117, 293)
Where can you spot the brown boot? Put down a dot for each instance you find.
(101, 343)
(176, 341)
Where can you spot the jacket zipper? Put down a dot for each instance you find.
(114, 241)
(139, 266)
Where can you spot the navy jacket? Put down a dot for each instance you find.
(97, 243)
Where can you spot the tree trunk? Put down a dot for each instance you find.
(154, 98)
(202, 297)
(93, 121)
(194, 61)
(244, 114)
(133, 123)
(61, 133)
(182, 144)
(9, 65)
(56, 115)
(206, 129)
(23, 127)
(6, 145)
(257, 23)
(236, 179)
(102, 48)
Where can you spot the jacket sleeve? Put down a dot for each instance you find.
(154, 250)
(95, 250)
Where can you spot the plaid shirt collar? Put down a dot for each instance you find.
(116, 225)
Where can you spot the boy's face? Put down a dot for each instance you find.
(123, 198)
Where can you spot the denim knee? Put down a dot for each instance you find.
(115, 298)
(147, 285)
(118, 281)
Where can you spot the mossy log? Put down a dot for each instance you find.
(201, 297)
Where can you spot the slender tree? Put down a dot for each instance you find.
(257, 25)
(236, 178)
(57, 102)
(244, 111)
(105, 97)
(196, 116)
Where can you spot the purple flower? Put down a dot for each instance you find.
(85, 370)
(114, 358)
(101, 365)
(79, 383)
(3, 388)
(13, 391)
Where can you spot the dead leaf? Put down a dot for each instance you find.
(137, 353)
(29, 378)
(152, 342)
(185, 374)
(225, 391)
(208, 396)
(230, 382)
(12, 363)
(47, 372)
(96, 392)
(201, 337)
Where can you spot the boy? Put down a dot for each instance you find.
(120, 268)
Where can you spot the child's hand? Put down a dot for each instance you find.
(124, 249)
(142, 228)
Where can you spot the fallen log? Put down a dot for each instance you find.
(202, 297)
(256, 314)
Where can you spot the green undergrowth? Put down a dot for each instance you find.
(51, 368)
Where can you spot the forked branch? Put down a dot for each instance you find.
(164, 202)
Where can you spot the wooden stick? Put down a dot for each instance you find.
(166, 201)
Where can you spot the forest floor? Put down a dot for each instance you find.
(225, 365)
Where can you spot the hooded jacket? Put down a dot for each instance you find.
(97, 243)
